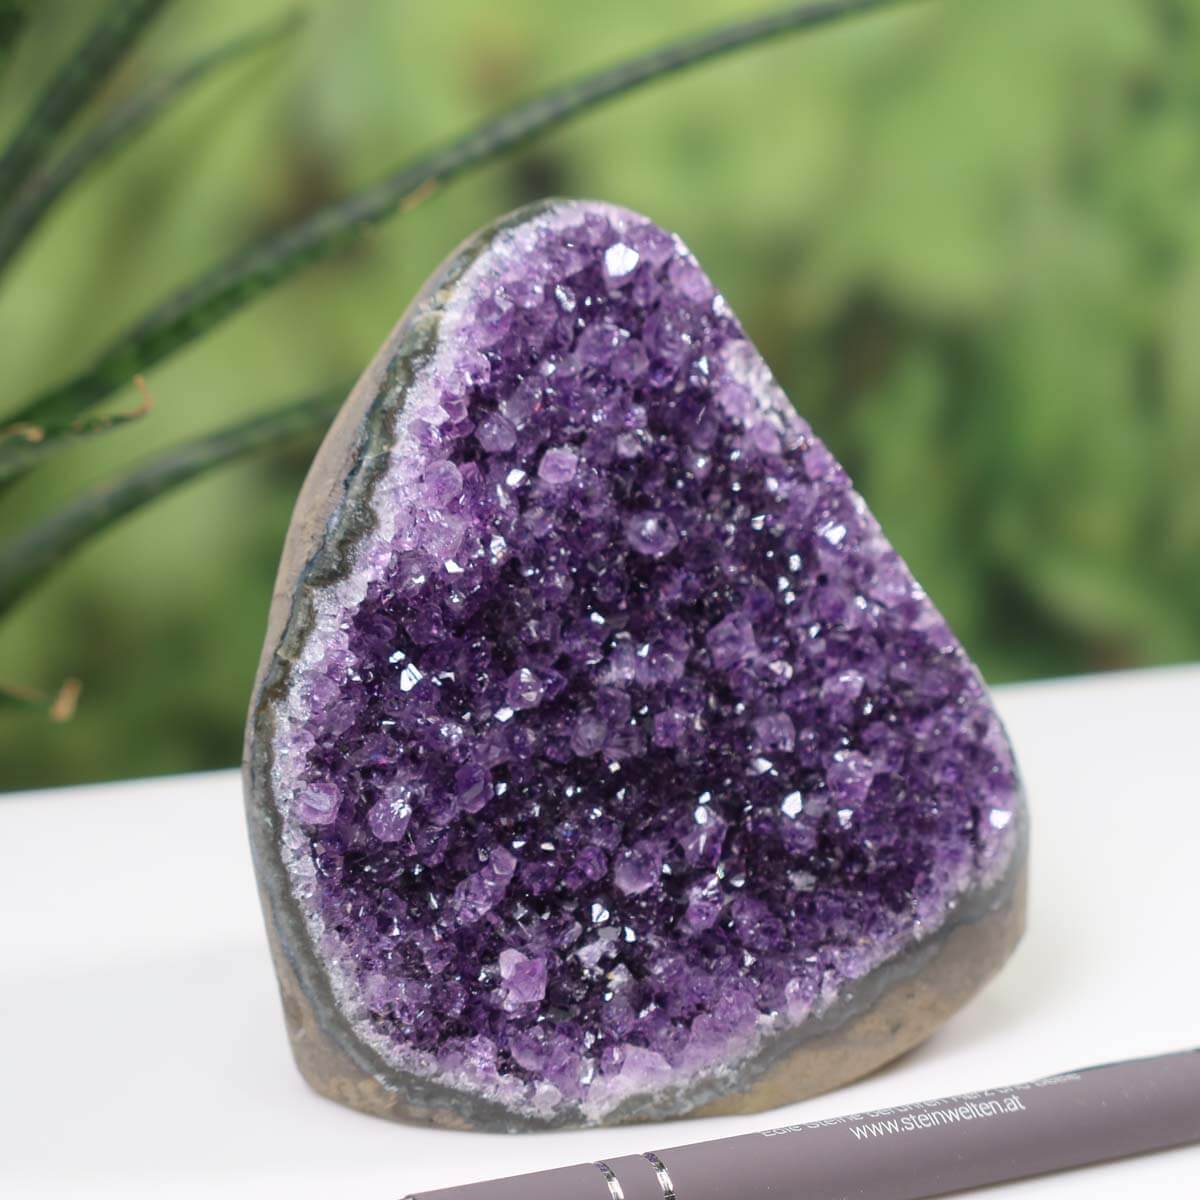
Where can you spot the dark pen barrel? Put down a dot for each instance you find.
(904, 1153)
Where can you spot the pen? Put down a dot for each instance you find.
(906, 1152)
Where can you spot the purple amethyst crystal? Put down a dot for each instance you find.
(605, 755)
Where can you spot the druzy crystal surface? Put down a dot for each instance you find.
(628, 742)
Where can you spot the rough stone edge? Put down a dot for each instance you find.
(892, 1009)
(327, 523)
(898, 1006)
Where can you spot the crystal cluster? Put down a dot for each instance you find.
(629, 741)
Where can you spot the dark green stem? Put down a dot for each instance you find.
(14, 16)
(116, 130)
(242, 278)
(76, 81)
(26, 559)
(23, 447)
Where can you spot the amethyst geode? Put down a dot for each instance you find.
(606, 762)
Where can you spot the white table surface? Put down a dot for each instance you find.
(142, 1050)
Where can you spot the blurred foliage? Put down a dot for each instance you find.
(966, 236)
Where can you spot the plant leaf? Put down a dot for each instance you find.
(24, 446)
(26, 559)
(120, 127)
(218, 294)
(75, 82)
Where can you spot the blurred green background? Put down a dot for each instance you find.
(966, 235)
